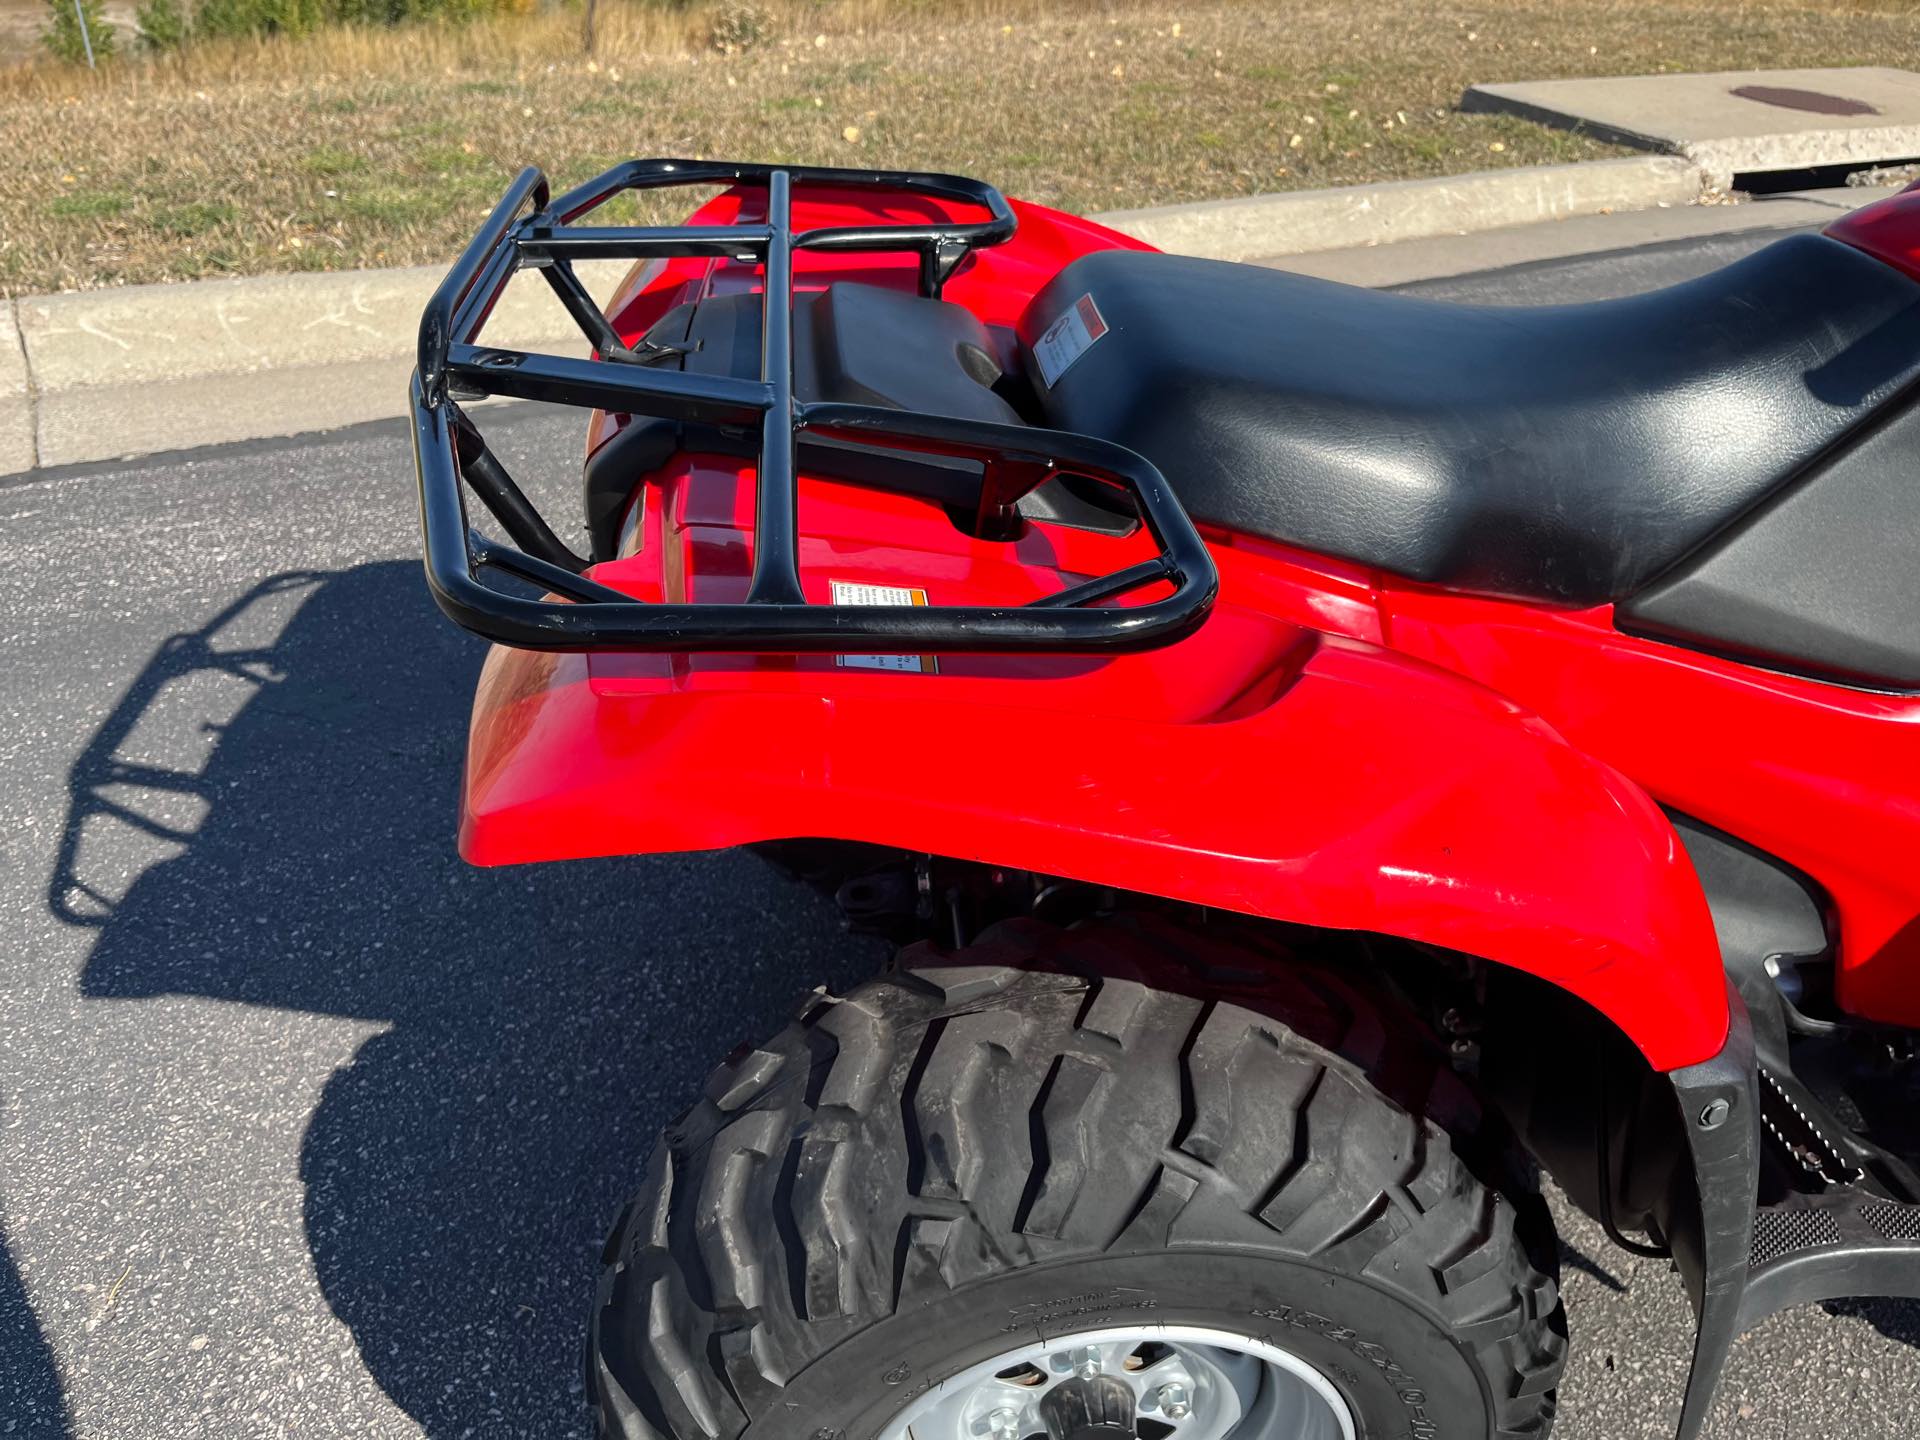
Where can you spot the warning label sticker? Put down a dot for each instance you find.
(851, 592)
(1068, 338)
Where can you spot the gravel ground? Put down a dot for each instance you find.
(306, 1129)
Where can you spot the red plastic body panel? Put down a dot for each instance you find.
(1888, 230)
(1825, 777)
(1260, 766)
(1333, 747)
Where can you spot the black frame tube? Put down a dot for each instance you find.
(531, 228)
(776, 526)
(488, 479)
(579, 305)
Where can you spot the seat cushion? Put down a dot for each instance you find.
(1562, 453)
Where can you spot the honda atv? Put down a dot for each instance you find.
(1327, 758)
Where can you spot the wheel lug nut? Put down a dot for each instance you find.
(1004, 1424)
(1174, 1401)
(1085, 1362)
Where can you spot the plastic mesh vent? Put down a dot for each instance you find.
(1896, 1222)
(1782, 1232)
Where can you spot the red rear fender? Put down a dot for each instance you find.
(1324, 782)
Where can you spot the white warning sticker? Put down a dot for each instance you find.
(853, 592)
(1068, 338)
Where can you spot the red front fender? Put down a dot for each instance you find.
(1341, 785)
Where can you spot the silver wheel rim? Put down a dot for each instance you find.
(1189, 1383)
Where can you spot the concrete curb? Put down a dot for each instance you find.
(1303, 221)
(147, 368)
(1440, 257)
(16, 399)
(103, 374)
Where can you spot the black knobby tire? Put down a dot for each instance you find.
(1055, 1131)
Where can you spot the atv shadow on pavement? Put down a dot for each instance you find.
(30, 1390)
(542, 1023)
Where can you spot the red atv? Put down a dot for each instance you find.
(1329, 757)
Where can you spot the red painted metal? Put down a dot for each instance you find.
(1333, 747)
(1888, 229)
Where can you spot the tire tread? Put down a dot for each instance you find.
(965, 1094)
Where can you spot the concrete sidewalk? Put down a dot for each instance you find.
(1732, 122)
(106, 374)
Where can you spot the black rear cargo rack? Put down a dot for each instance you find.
(451, 456)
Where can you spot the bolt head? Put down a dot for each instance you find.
(1086, 1362)
(1174, 1401)
(1715, 1115)
(1003, 1423)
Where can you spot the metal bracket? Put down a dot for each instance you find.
(1719, 1103)
(938, 262)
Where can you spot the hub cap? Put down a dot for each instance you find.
(1188, 1383)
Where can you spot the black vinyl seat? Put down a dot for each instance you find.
(1563, 453)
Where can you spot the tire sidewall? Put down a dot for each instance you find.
(1402, 1375)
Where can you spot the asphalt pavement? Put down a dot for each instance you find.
(308, 1130)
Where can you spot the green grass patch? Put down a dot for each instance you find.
(196, 217)
(456, 160)
(90, 205)
(398, 206)
(331, 161)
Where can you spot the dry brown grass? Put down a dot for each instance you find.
(357, 148)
